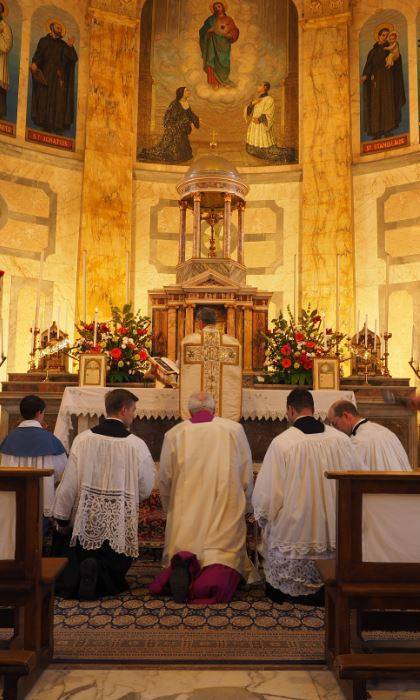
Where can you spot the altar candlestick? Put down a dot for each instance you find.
(95, 328)
(366, 330)
(324, 332)
(337, 293)
(38, 292)
(49, 332)
(374, 339)
(58, 322)
(413, 333)
(127, 279)
(387, 293)
(358, 327)
(295, 283)
(66, 319)
(33, 337)
(1, 338)
(84, 284)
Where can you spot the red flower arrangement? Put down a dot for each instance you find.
(125, 340)
(292, 345)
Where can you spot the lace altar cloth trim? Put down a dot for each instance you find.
(257, 404)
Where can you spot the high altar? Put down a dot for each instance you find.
(213, 190)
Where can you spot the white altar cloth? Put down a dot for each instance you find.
(262, 404)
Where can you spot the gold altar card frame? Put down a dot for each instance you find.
(326, 373)
(92, 369)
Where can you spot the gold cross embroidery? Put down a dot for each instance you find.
(212, 355)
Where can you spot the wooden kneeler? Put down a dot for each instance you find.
(357, 588)
(26, 585)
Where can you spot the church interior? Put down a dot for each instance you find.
(259, 158)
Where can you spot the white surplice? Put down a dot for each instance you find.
(261, 135)
(379, 448)
(205, 483)
(212, 362)
(295, 505)
(104, 481)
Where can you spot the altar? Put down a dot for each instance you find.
(158, 411)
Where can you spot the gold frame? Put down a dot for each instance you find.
(97, 362)
(326, 373)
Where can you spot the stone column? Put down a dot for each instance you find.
(247, 345)
(107, 199)
(226, 225)
(197, 226)
(189, 320)
(172, 332)
(230, 321)
(182, 230)
(326, 215)
(241, 232)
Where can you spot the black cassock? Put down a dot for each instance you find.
(174, 146)
(112, 566)
(383, 93)
(52, 105)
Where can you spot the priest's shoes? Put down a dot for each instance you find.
(277, 596)
(179, 582)
(88, 579)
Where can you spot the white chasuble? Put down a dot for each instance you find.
(205, 484)
(212, 362)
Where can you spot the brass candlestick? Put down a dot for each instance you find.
(415, 369)
(386, 336)
(3, 360)
(32, 366)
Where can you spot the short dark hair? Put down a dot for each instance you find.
(267, 85)
(207, 315)
(345, 407)
(381, 31)
(31, 405)
(2, 7)
(116, 399)
(300, 399)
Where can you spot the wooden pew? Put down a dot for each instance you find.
(26, 585)
(365, 580)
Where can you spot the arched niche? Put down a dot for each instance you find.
(266, 50)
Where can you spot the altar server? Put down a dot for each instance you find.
(109, 471)
(31, 445)
(294, 503)
(205, 482)
(378, 447)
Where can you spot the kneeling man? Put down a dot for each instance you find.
(205, 483)
(295, 504)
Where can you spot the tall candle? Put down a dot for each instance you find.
(337, 293)
(58, 323)
(66, 319)
(84, 284)
(127, 278)
(374, 339)
(387, 294)
(1, 338)
(295, 285)
(366, 330)
(413, 333)
(38, 292)
(358, 327)
(33, 337)
(324, 332)
(95, 328)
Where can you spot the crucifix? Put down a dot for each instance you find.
(212, 354)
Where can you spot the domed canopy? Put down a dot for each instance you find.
(212, 176)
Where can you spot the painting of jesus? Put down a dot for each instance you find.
(217, 34)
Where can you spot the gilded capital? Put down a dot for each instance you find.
(317, 9)
(124, 8)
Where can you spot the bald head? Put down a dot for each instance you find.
(201, 401)
(344, 415)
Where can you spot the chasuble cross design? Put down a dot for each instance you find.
(213, 355)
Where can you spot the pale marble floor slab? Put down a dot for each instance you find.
(138, 684)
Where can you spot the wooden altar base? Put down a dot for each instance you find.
(374, 402)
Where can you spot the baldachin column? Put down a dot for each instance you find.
(241, 232)
(227, 225)
(197, 226)
(326, 218)
(182, 230)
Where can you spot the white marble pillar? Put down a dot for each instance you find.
(182, 231)
(197, 226)
(241, 232)
(227, 225)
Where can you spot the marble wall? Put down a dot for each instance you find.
(99, 199)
